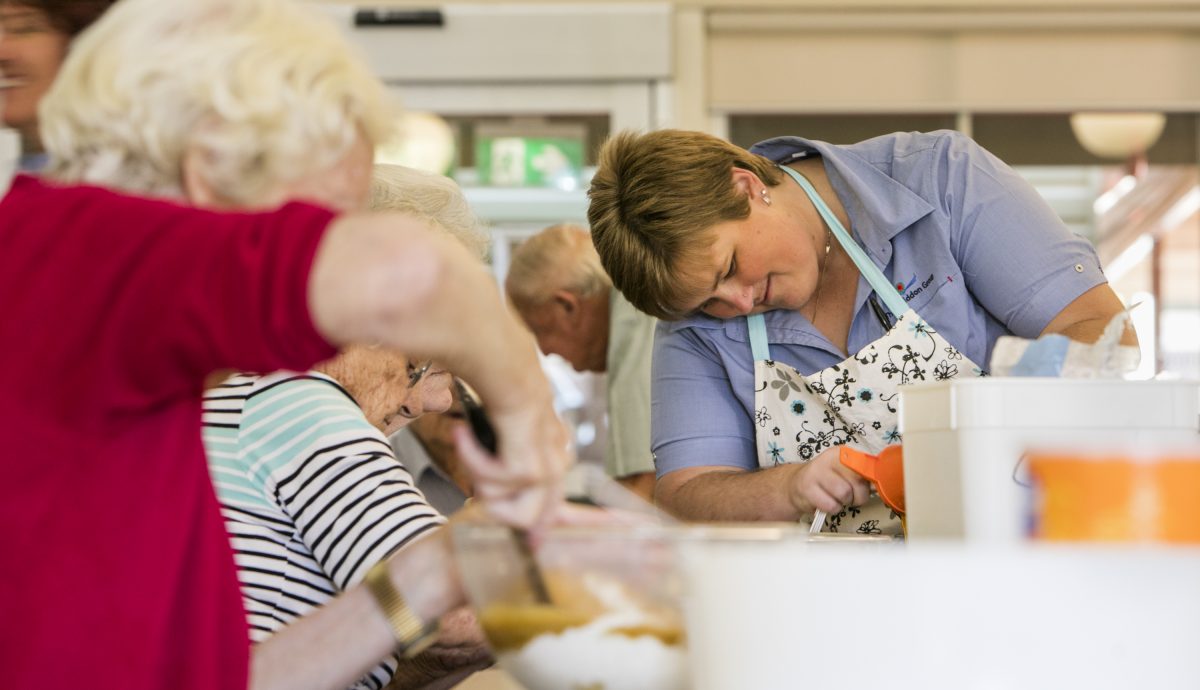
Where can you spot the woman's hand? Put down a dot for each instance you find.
(824, 483)
(460, 650)
(388, 278)
(522, 484)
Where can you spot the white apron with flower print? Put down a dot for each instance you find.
(853, 402)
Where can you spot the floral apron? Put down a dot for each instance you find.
(853, 402)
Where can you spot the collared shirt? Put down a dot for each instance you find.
(439, 489)
(970, 245)
(630, 346)
(311, 495)
(33, 163)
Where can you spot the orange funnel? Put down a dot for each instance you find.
(885, 471)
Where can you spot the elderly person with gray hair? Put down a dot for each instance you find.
(558, 286)
(117, 308)
(310, 489)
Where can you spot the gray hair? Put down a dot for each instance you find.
(435, 199)
(265, 91)
(560, 257)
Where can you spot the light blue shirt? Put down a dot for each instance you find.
(439, 489)
(33, 163)
(970, 245)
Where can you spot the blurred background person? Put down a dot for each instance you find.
(119, 307)
(426, 448)
(558, 286)
(34, 38)
(311, 493)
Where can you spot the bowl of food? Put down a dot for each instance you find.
(608, 619)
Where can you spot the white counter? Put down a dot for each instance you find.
(943, 617)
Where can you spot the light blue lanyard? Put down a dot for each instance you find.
(882, 286)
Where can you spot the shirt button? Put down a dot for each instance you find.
(1079, 268)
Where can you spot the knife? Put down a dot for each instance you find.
(485, 433)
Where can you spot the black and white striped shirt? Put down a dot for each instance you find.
(311, 494)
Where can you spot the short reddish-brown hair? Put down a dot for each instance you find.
(653, 201)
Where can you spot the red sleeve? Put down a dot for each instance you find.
(139, 300)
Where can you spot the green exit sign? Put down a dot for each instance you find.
(515, 161)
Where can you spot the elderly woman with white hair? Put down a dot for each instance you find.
(310, 489)
(254, 106)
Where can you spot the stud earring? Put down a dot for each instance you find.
(766, 199)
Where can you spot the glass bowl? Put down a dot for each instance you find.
(614, 618)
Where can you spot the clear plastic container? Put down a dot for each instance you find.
(614, 617)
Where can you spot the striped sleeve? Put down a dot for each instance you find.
(333, 474)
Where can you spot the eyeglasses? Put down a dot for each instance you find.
(416, 372)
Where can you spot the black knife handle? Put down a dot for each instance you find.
(481, 426)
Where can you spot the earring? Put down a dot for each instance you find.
(766, 199)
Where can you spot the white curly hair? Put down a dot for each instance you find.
(264, 91)
(433, 198)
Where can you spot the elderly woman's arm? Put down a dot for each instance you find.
(385, 278)
(340, 642)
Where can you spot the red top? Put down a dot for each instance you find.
(115, 570)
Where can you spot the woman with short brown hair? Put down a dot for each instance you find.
(806, 282)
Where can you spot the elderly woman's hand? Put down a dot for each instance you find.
(522, 485)
(460, 650)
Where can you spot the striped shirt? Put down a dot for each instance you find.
(311, 494)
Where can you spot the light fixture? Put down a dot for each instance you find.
(1117, 135)
(424, 141)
